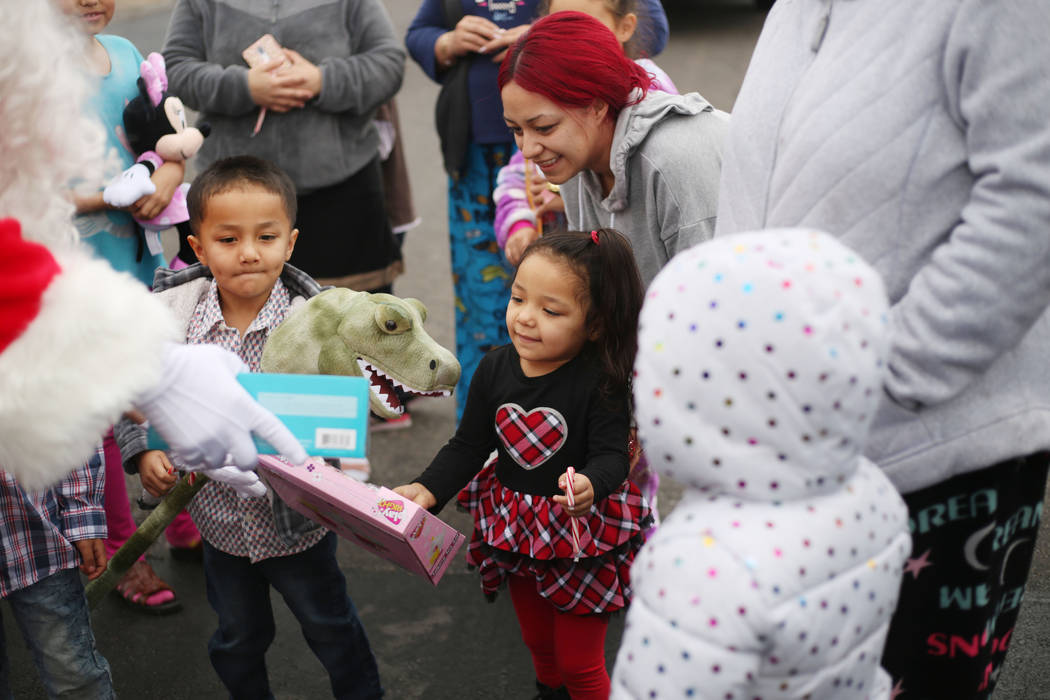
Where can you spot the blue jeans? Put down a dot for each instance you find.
(314, 589)
(53, 616)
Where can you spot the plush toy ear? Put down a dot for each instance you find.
(155, 76)
(144, 96)
(419, 306)
(157, 61)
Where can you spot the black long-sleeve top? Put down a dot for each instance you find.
(595, 429)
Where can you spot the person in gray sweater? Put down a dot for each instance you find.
(917, 133)
(342, 60)
(644, 163)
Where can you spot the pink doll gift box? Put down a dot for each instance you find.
(373, 517)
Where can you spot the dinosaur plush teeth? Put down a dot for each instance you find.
(378, 378)
(381, 386)
(385, 393)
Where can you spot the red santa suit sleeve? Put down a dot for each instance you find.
(78, 343)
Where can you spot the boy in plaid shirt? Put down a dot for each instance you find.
(43, 538)
(242, 210)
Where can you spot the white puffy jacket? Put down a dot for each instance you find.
(759, 368)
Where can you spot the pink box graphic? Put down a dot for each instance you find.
(373, 517)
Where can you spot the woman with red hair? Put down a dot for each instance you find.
(470, 49)
(645, 163)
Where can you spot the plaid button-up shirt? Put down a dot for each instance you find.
(37, 530)
(239, 526)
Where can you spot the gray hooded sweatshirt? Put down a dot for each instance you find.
(666, 157)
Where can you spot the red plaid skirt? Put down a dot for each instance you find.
(519, 534)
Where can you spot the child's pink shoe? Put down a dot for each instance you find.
(141, 588)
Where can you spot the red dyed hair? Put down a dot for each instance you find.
(573, 59)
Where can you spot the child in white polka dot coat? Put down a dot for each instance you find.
(759, 367)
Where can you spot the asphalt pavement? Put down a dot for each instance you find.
(442, 642)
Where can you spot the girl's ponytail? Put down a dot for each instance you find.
(604, 260)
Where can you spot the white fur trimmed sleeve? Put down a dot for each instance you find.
(94, 346)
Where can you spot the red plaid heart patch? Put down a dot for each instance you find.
(531, 438)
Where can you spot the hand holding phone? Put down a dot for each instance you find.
(269, 88)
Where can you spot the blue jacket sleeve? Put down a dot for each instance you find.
(423, 33)
(654, 37)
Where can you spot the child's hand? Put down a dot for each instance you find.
(166, 180)
(157, 473)
(582, 491)
(418, 494)
(518, 242)
(544, 199)
(280, 90)
(92, 557)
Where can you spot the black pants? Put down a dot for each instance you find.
(344, 230)
(973, 540)
(314, 588)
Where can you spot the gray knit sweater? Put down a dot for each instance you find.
(918, 133)
(352, 41)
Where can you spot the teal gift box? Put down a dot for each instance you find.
(327, 413)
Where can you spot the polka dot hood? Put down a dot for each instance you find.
(760, 363)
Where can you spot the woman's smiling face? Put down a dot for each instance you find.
(561, 141)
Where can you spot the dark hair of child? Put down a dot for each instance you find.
(610, 281)
(620, 9)
(239, 172)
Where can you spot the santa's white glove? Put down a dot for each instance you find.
(246, 484)
(129, 187)
(203, 413)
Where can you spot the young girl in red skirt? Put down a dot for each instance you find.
(555, 398)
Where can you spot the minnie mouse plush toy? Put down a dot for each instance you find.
(155, 125)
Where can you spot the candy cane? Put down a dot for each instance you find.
(570, 473)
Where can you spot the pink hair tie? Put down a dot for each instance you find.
(594, 237)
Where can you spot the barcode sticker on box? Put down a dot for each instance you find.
(343, 439)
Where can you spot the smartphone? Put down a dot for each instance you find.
(264, 51)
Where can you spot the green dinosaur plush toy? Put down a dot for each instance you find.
(376, 336)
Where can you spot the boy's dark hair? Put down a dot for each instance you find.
(236, 173)
(605, 263)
